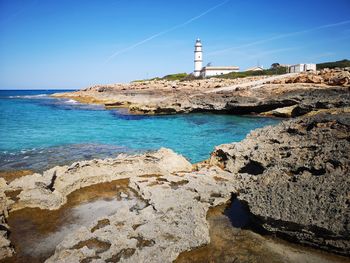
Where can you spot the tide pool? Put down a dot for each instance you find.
(35, 128)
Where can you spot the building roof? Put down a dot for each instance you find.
(257, 68)
(221, 68)
(198, 43)
(302, 64)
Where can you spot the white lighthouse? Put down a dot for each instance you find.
(198, 58)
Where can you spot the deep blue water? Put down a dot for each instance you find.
(37, 131)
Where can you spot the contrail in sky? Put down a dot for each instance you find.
(279, 37)
(165, 31)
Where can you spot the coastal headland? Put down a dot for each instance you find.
(287, 95)
(289, 181)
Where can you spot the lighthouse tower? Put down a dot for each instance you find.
(198, 58)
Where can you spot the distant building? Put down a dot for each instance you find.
(285, 65)
(208, 71)
(217, 71)
(257, 68)
(301, 68)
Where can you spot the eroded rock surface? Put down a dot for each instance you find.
(173, 221)
(237, 96)
(295, 178)
(5, 246)
(332, 77)
(50, 189)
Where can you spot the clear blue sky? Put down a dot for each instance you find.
(74, 44)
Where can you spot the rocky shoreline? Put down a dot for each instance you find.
(293, 177)
(288, 95)
(300, 187)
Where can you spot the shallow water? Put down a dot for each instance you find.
(47, 131)
(35, 232)
(231, 240)
(38, 132)
(44, 158)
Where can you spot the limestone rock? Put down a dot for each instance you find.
(50, 189)
(331, 77)
(325, 89)
(295, 178)
(285, 112)
(173, 221)
(6, 249)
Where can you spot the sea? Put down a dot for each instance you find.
(38, 132)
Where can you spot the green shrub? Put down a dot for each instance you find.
(178, 76)
(171, 77)
(336, 64)
(243, 74)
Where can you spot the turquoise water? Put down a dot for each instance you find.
(38, 131)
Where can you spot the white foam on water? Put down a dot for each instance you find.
(28, 96)
(71, 101)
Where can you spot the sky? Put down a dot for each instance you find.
(64, 44)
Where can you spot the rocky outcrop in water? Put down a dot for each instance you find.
(302, 97)
(50, 189)
(295, 178)
(306, 92)
(172, 221)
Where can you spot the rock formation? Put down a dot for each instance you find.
(173, 221)
(5, 246)
(306, 91)
(295, 178)
(50, 189)
(333, 77)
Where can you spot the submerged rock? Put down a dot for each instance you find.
(295, 178)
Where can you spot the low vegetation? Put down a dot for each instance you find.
(336, 64)
(275, 69)
(243, 74)
(170, 77)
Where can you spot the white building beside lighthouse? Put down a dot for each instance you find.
(204, 72)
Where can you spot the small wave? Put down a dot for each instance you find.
(28, 96)
(39, 159)
(71, 101)
(23, 151)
